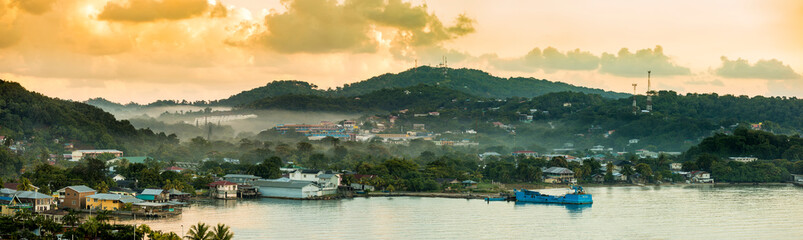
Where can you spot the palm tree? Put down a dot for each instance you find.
(103, 216)
(71, 219)
(25, 185)
(221, 232)
(199, 231)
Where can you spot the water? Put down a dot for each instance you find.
(674, 212)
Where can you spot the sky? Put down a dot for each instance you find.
(145, 50)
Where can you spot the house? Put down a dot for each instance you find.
(74, 197)
(525, 154)
(329, 183)
(54, 214)
(154, 195)
(11, 205)
(40, 202)
(109, 201)
(118, 177)
(240, 178)
(743, 159)
(675, 166)
(700, 177)
(305, 174)
(231, 160)
(15, 186)
(362, 187)
(598, 178)
(469, 184)
(597, 148)
(174, 169)
(82, 154)
(286, 188)
(176, 195)
(558, 174)
(798, 178)
(223, 190)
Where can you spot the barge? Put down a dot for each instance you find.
(578, 196)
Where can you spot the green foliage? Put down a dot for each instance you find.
(199, 231)
(221, 232)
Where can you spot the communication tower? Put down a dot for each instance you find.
(635, 108)
(649, 93)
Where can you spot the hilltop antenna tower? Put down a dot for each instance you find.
(649, 93)
(635, 108)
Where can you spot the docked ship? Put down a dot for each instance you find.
(578, 196)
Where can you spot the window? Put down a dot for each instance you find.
(73, 202)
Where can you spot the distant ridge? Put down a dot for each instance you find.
(470, 81)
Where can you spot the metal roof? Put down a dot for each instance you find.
(240, 176)
(152, 191)
(81, 188)
(112, 196)
(558, 170)
(31, 195)
(282, 184)
(328, 175)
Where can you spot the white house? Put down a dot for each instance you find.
(118, 177)
(743, 159)
(329, 182)
(305, 174)
(675, 166)
(701, 177)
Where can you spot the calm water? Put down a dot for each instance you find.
(675, 212)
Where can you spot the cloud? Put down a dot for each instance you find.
(152, 10)
(714, 82)
(324, 26)
(764, 69)
(34, 6)
(549, 60)
(627, 64)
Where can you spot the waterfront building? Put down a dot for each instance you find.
(176, 195)
(286, 188)
(223, 190)
(154, 195)
(74, 197)
(109, 201)
(525, 153)
(240, 178)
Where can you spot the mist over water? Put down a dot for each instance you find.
(667, 212)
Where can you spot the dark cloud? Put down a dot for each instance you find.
(764, 69)
(627, 64)
(319, 26)
(152, 10)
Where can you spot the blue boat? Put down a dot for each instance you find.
(492, 199)
(577, 197)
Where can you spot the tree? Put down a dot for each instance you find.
(199, 231)
(609, 173)
(644, 170)
(103, 216)
(25, 185)
(221, 232)
(627, 170)
(102, 187)
(558, 161)
(71, 219)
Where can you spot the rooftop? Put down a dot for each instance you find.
(31, 195)
(283, 184)
(218, 183)
(240, 176)
(112, 196)
(558, 170)
(152, 191)
(81, 188)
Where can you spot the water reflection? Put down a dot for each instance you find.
(572, 208)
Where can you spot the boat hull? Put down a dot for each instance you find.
(536, 197)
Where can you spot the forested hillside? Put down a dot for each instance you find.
(470, 81)
(45, 123)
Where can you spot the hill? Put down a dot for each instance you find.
(469, 81)
(421, 97)
(42, 123)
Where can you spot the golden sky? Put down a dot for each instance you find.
(144, 50)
